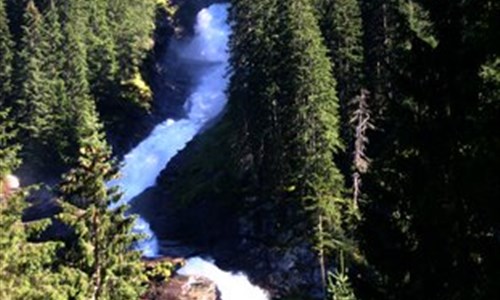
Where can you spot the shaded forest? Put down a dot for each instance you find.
(367, 128)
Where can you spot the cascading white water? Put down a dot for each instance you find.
(232, 286)
(144, 163)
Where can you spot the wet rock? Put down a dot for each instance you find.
(248, 243)
(184, 288)
(164, 286)
(272, 259)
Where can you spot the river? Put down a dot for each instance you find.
(208, 50)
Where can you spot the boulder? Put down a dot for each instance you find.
(183, 288)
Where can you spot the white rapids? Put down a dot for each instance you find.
(144, 163)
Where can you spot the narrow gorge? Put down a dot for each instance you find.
(206, 56)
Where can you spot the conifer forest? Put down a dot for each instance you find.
(249, 149)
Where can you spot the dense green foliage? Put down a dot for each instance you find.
(366, 130)
(280, 133)
(99, 255)
(435, 156)
(410, 214)
(96, 263)
(108, 42)
(23, 265)
(6, 57)
(61, 61)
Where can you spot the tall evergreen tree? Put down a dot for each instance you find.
(424, 200)
(25, 267)
(253, 88)
(33, 108)
(6, 57)
(75, 74)
(341, 25)
(101, 250)
(132, 23)
(57, 94)
(310, 103)
(53, 35)
(102, 53)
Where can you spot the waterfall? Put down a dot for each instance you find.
(232, 286)
(208, 48)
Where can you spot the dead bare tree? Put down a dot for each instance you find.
(360, 121)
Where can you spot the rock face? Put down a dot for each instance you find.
(184, 288)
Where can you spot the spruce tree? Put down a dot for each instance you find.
(309, 102)
(6, 57)
(132, 23)
(101, 250)
(102, 53)
(436, 136)
(253, 88)
(9, 160)
(57, 94)
(53, 35)
(341, 25)
(26, 268)
(74, 72)
(33, 107)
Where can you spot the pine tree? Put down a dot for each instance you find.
(57, 94)
(341, 26)
(25, 267)
(52, 31)
(33, 107)
(6, 58)
(253, 88)
(436, 138)
(102, 56)
(310, 103)
(74, 72)
(132, 23)
(101, 251)
(9, 160)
